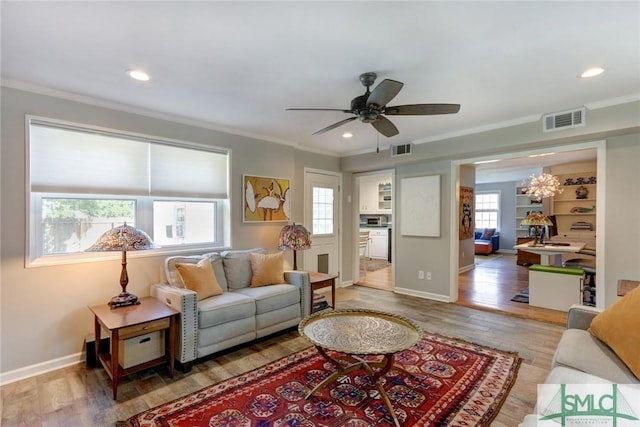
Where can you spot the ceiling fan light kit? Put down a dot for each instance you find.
(372, 107)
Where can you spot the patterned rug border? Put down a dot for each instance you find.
(310, 351)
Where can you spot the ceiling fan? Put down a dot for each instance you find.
(372, 107)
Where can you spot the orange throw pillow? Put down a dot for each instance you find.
(200, 278)
(267, 269)
(617, 326)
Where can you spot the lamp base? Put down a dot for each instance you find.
(123, 299)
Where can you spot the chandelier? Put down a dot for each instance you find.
(544, 185)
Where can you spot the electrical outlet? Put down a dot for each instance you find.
(428, 275)
(421, 274)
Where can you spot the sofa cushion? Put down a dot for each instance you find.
(173, 276)
(224, 308)
(487, 233)
(274, 297)
(617, 326)
(266, 269)
(563, 375)
(237, 267)
(199, 278)
(580, 350)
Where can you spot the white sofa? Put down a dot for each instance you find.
(581, 358)
(240, 314)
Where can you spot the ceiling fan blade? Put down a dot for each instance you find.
(422, 109)
(385, 127)
(384, 92)
(335, 125)
(317, 109)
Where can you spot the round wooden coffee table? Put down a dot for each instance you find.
(359, 332)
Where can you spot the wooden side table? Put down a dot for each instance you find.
(127, 322)
(322, 280)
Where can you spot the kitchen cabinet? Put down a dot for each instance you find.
(369, 195)
(384, 197)
(375, 194)
(379, 243)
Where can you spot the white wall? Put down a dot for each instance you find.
(43, 310)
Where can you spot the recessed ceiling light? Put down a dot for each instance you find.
(592, 72)
(541, 155)
(138, 75)
(486, 161)
(347, 135)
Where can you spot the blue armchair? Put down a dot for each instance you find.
(494, 239)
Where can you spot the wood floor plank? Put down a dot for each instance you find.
(81, 396)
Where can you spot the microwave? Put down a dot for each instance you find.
(376, 221)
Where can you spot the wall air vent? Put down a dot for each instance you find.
(401, 149)
(563, 120)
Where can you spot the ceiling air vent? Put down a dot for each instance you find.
(563, 120)
(401, 149)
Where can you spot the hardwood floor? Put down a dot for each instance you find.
(80, 396)
(492, 284)
(379, 279)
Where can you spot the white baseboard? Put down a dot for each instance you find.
(41, 368)
(466, 268)
(420, 294)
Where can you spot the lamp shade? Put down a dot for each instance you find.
(536, 219)
(294, 237)
(123, 238)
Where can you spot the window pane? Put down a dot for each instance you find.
(72, 225)
(487, 210)
(179, 222)
(322, 210)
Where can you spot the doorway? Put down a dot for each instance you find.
(494, 272)
(374, 229)
(322, 218)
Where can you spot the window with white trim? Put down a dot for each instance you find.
(322, 210)
(487, 210)
(83, 181)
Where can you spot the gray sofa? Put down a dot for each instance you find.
(241, 314)
(581, 358)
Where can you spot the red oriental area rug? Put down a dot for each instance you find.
(452, 383)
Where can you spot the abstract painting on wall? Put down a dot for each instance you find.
(266, 199)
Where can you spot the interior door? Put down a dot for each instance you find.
(322, 207)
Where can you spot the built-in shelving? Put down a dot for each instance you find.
(525, 204)
(574, 208)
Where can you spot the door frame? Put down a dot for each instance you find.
(338, 201)
(355, 204)
(601, 151)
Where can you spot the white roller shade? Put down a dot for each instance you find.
(67, 161)
(177, 171)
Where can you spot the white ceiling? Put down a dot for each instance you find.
(521, 168)
(238, 65)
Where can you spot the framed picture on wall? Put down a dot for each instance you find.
(420, 206)
(466, 213)
(266, 199)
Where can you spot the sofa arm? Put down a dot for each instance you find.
(186, 302)
(495, 241)
(301, 280)
(580, 316)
